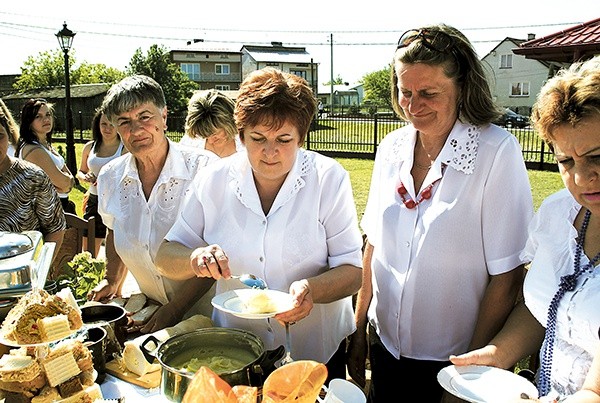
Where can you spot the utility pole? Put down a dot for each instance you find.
(331, 73)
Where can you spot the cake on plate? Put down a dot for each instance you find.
(41, 317)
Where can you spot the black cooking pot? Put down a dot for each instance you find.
(111, 318)
(175, 352)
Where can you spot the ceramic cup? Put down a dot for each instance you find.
(342, 391)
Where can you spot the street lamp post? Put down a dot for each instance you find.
(65, 39)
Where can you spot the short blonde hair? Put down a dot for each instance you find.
(209, 111)
(570, 96)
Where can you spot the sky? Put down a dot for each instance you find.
(356, 39)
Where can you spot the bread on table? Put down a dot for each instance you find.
(65, 373)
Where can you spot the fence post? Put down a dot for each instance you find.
(375, 130)
(543, 152)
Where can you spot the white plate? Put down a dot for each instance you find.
(481, 384)
(14, 343)
(232, 302)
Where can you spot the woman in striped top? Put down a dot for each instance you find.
(28, 199)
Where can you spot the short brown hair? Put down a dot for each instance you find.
(272, 97)
(570, 96)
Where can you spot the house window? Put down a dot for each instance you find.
(192, 70)
(506, 61)
(519, 89)
(222, 87)
(299, 73)
(222, 69)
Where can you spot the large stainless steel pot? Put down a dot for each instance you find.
(176, 351)
(24, 259)
(18, 252)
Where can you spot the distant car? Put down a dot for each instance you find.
(512, 119)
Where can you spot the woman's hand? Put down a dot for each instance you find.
(303, 303)
(356, 357)
(90, 177)
(210, 261)
(482, 356)
(104, 292)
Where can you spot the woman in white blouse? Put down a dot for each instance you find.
(562, 287)
(279, 212)
(446, 220)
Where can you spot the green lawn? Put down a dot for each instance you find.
(543, 183)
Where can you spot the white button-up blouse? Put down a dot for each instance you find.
(139, 226)
(431, 264)
(311, 226)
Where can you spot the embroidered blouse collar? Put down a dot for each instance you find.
(459, 151)
(242, 180)
(173, 167)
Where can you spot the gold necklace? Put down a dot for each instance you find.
(423, 167)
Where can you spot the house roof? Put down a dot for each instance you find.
(207, 49)
(77, 91)
(515, 41)
(579, 42)
(278, 53)
(338, 89)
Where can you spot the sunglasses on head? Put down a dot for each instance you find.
(35, 101)
(435, 40)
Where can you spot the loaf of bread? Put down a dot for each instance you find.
(64, 371)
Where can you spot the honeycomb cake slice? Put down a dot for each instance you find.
(53, 328)
(61, 368)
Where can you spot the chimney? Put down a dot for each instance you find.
(530, 37)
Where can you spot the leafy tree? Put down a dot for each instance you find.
(98, 73)
(377, 87)
(48, 70)
(175, 83)
(45, 70)
(337, 81)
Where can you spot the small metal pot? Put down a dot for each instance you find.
(176, 351)
(111, 318)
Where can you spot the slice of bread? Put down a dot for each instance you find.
(143, 316)
(135, 303)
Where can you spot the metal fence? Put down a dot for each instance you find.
(358, 137)
(354, 133)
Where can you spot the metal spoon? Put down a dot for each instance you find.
(252, 281)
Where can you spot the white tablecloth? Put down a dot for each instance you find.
(114, 388)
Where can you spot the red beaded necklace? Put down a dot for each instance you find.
(409, 202)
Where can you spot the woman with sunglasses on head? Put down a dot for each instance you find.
(37, 122)
(446, 220)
